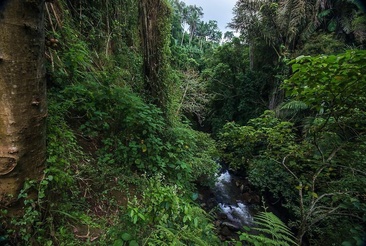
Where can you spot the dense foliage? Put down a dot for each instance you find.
(108, 140)
(313, 165)
(131, 83)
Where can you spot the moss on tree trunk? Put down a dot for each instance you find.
(155, 29)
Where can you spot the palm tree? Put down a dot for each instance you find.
(228, 35)
(202, 31)
(185, 12)
(182, 11)
(194, 15)
(214, 33)
(288, 23)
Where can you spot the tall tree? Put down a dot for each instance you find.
(202, 32)
(195, 14)
(155, 30)
(228, 36)
(181, 10)
(214, 33)
(22, 95)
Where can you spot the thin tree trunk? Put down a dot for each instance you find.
(251, 56)
(191, 37)
(301, 233)
(22, 95)
(276, 96)
(181, 43)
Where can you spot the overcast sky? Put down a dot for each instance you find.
(219, 10)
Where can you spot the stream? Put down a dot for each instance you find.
(228, 193)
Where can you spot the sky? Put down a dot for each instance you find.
(219, 10)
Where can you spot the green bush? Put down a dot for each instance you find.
(171, 215)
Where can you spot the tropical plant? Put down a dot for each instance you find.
(228, 36)
(316, 159)
(181, 11)
(237, 94)
(269, 150)
(171, 216)
(335, 88)
(195, 14)
(268, 230)
(290, 23)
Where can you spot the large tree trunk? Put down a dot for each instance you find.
(155, 30)
(22, 96)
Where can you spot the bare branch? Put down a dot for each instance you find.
(321, 217)
(314, 179)
(326, 195)
(352, 169)
(318, 148)
(288, 169)
(334, 152)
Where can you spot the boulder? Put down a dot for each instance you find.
(230, 226)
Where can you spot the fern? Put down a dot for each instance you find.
(270, 230)
(169, 236)
(291, 109)
(294, 105)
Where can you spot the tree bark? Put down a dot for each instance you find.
(22, 96)
(155, 28)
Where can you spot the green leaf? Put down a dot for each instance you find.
(142, 216)
(332, 25)
(118, 242)
(346, 243)
(133, 243)
(195, 221)
(324, 13)
(126, 237)
(247, 228)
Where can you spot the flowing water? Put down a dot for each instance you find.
(228, 196)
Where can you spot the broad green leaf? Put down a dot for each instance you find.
(126, 236)
(118, 242)
(133, 243)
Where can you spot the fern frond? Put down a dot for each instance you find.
(272, 224)
(169, 236)
(294, 105)
(291, 109)
(325, 13)
(272, 231)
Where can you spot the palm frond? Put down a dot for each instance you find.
(297, 18)
(346, 23)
